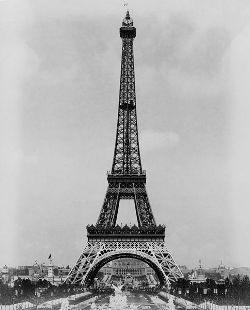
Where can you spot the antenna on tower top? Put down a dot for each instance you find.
(125, 4)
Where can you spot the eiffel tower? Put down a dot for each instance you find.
(107, 240)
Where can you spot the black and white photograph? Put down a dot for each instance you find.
(125, 154)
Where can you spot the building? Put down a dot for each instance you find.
(54, 274)
(185, 271)
(223, 271)
(107, 269)
(197, 276)
(127, 266)
(32, 272)
(5, 275)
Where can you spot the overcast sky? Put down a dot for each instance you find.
(59, 84)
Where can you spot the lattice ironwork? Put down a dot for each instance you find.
(115, 193)
(127, 154)
(97, 254)
(127, 180)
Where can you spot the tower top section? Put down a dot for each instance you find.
(127, 30)
(127, 21)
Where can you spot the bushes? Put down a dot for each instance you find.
(233, 291)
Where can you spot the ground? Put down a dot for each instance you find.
(141, 301)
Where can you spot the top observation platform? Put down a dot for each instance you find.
(127, 30)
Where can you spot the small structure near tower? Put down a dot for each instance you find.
(5, 275)
(50, 269)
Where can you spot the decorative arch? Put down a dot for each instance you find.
(90, 275)
(97, 254)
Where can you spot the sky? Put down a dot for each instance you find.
(59, 88)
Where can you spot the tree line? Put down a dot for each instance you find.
(235, 291)
(35, 292)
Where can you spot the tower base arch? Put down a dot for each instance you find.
(97, 254)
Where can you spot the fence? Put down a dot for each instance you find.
(207, 305)
(50, 304)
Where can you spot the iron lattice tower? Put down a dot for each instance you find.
(126, 180)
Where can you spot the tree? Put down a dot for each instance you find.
(6, 293)
(43, 283)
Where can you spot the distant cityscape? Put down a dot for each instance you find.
(119, 268)
(40, 284)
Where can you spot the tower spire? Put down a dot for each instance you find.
(127, 154)
(127, 21)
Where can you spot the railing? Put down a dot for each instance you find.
(47, 304)
(143, 173)
(134, 230)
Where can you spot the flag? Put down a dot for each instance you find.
(49, 256)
